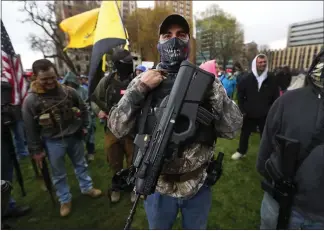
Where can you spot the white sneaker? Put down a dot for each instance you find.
(237, 156)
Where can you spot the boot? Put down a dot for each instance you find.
(94, 193)
(114, 196)
(65, 209)
(17, 211)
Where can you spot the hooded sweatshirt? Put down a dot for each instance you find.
(257, 93)
(32, 109)
(299, 114)
(71, 77)
(260, 78)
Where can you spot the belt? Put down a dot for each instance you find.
(179, 178)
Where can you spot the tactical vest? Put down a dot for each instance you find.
(115, 89)
(58, 111)
(204, 134)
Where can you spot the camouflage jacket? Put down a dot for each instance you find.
(122, 119)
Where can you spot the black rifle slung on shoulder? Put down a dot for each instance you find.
(281, 168)
(188, 92)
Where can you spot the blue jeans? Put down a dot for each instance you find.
(19, 139)
(270, 212)
(56, 149)
(161, 210)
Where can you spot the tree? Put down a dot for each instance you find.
(225, 34)
(264, 49)
(52, 42)
(142, 27)
(250, 51)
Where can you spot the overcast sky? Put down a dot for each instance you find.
(265, 22)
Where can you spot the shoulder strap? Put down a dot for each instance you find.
(109, 78)
(142, 121)
(144, 114)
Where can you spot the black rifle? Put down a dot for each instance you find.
(35, 168)
(47, 179)
(281, 169)
(8, 120)
(188, 91)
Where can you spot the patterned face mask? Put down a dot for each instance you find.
(173, 51)
(317, 75)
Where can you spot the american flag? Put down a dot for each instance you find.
(11, 69)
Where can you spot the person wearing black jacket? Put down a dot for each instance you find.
(298, 115)
(257, 91)
(284, 78)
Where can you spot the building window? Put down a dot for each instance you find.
(78, 68)
(87, 57)
(69, 7)
(77, 58)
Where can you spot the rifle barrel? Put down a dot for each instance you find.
(47, 180)
(132, 213)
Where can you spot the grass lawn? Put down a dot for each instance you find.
(236, 196)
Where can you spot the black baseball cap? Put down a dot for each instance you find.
(174, 19)
(122, 55)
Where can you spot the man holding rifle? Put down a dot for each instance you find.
(56, 119)
(182, 181)
(294, 167)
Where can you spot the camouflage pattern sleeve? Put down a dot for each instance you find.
(231, 118)
(122, 116)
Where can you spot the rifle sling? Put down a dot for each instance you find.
(142, 121)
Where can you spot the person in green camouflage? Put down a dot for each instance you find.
(192, 196)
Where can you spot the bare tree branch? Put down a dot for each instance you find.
(52, 43)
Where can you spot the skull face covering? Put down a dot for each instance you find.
(173, 52)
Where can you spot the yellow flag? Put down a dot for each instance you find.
(126, 45)
(109, 23)
(104, 62)
(119, 2)
(109, 33)
(81, 28)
